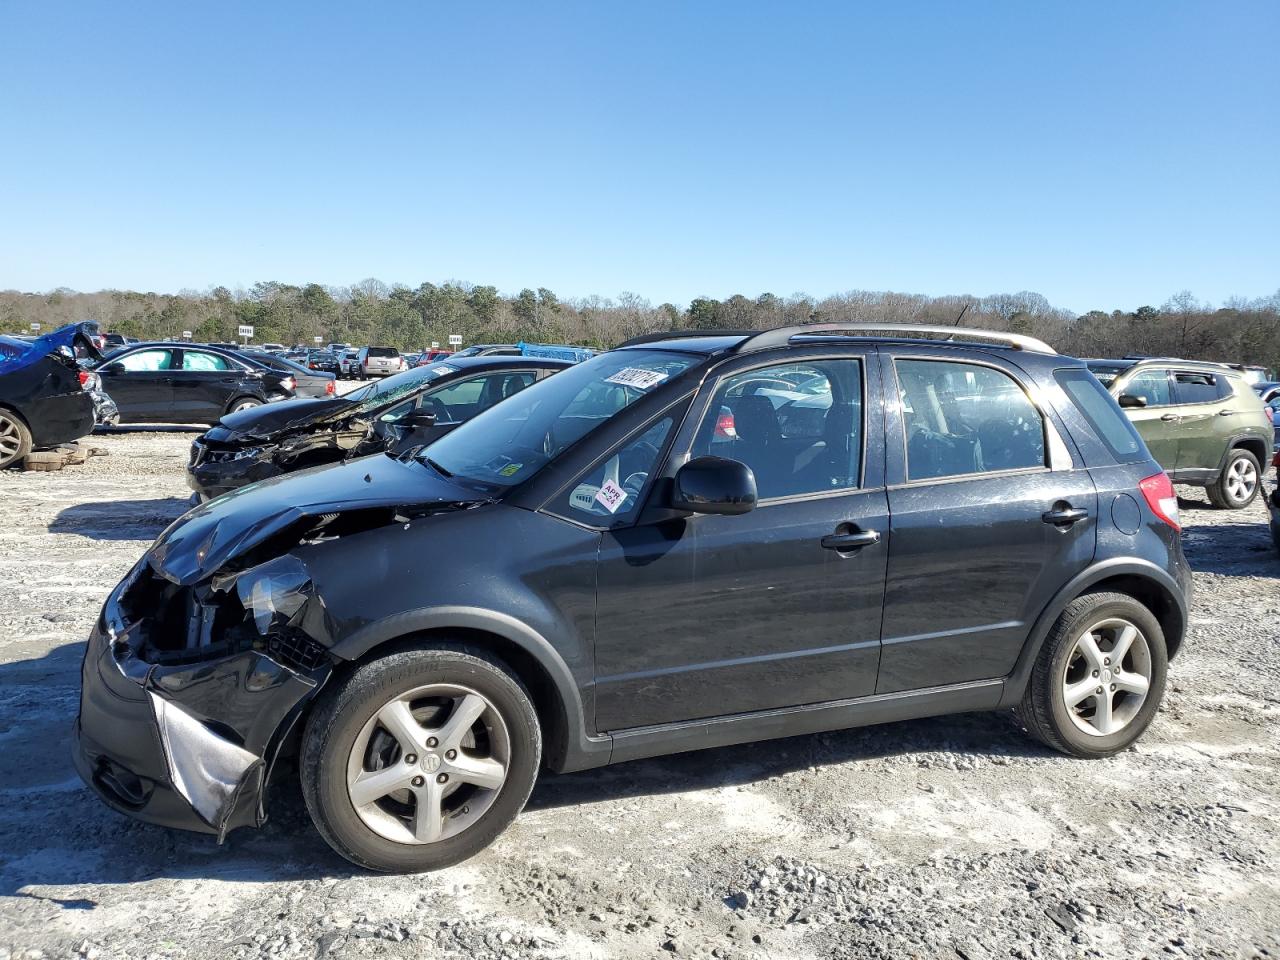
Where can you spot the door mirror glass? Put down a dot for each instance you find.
(113, 368)
(420, 420)
(1128, 400)
(714, 485)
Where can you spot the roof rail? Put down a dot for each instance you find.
(783, 335)
(681, 334)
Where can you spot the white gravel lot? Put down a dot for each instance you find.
(953, 837)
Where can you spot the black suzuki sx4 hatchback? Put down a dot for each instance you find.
(686, 542)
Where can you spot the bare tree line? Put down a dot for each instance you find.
(1241, 330)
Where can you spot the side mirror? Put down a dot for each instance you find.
(1128, 400)
(714, 485)
(419, 420)
(112, 369)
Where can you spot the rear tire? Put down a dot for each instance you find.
(386, 809)
(1081, 698)
(15, 439)
(1239, 483)
(243, 403)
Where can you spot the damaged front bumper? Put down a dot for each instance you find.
(213, 470)
(188, 744)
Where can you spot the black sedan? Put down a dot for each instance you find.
(402, 411)
(308, 383)
(44, 395)
(322, 361)
(181, 383)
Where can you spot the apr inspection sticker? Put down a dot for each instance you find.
(636, 377)
(610, 496)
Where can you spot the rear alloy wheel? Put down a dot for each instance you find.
(1099, 677)
(15, 439)
(420, 759)
(1239, 483)
(245, 403)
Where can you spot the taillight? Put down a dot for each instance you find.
(726, 429)
(85, 377)
(1158, 491)
(289, 383)
(329, 388)
(1271, 414)
(1275, 461)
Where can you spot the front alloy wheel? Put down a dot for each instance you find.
(420, 759)
(428, 764)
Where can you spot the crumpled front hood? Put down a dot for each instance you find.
(271, 420)
(203, 540)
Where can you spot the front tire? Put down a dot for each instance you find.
(15, 439)
(420, 759)
(1099, 677)
(1239, 483)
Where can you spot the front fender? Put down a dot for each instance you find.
(579, 751)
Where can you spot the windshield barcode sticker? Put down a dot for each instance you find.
(636, 377)
(610, 496)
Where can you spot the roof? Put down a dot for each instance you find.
(744, 341)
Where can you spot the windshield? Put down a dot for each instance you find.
(1106, 372)
(383, 392)
(510, 442)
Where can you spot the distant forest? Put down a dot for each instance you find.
(371, 312)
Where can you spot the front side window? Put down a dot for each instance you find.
(609, 494)
(203, 362)
(147, 361)
(1152, 386)
(508, 444)
(798, 426)
(962, 418)
(461, 400)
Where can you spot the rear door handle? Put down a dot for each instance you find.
(1171, 418)
(854, 540)
(1064, 516)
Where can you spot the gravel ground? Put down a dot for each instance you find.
(954, 837)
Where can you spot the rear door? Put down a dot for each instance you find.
(1158, 423)
(990, 516)
(142, 384)
(1206, 419)
(204, 384)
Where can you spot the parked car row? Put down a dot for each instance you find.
(691, 540)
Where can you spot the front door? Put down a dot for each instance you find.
(141, 384)
(708, 616)
(990, 517)
(1158, 422)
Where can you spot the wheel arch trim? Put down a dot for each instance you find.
(579, 751)
(1121, 567)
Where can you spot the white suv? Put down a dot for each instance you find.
(380, 361)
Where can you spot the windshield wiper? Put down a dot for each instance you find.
(435, 466)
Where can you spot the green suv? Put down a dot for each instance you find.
(1202, 422)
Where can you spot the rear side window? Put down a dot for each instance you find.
(1102, 412)
(1200, 387)
(962, 418)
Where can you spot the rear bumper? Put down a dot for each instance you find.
(61, 419)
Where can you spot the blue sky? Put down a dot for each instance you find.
(1103, 154)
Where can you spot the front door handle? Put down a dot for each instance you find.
(1064, 515)
(1171, 418)
(850, 541)
(1226, 413)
